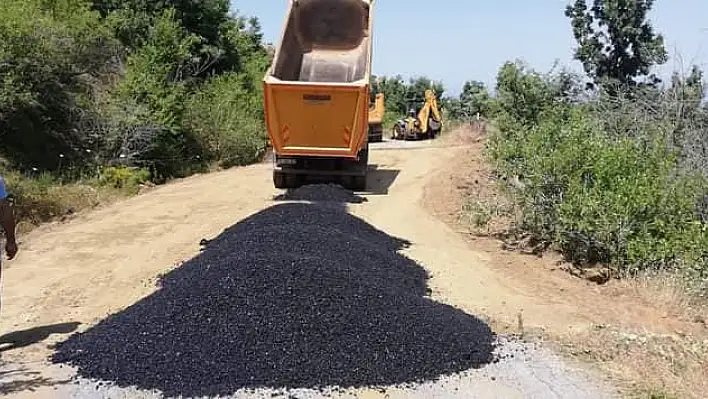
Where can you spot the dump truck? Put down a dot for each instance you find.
(376, 115)
(317, 93)
(426, 123)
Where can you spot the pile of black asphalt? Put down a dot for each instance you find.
(296, 296)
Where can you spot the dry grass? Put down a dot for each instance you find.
(484, 210)
(654, 365)
(648, 364)
(670, 295)
(43, 199)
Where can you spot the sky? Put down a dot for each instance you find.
(458, 40)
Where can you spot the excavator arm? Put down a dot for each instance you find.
(430, 106)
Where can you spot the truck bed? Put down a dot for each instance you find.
(317, 89)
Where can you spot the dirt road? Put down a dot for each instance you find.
(106, 260)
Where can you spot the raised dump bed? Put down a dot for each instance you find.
(317, 92)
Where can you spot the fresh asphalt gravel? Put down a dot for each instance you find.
(297, 296)
(321, 193)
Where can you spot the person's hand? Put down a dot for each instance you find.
(11, 249)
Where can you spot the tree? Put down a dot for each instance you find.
(523, 94)
(202, 18)
(50, 54)
(691, 89)
(617, 44)
(400, 96)
(687, 110)
(474, 99)
(208, 20)
(418, 85)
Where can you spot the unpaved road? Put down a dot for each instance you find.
(106, 260)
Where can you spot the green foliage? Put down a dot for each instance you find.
(139, 85)
(43, 197)
(155, 76)
(123, 177)
(401, 96)
(202, 18)
(473, 100)
(226, 118)
(131, 21)
(524, 94)
(590, 185)
(50, 53)
(617, 43)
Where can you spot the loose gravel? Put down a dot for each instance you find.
(296, 296)
(321, 193)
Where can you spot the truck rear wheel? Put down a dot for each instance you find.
(357, 182)
(279, 179)
(364, 157)
(283, 180)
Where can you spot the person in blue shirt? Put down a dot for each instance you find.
(7, 222)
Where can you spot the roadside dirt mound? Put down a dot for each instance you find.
(616, 325)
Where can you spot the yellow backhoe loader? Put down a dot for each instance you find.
(426, 123)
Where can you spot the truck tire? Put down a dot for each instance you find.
(279, 179)
(375, 134)
(354, 183)
(283, 180)
(293, 181)
(364, 157)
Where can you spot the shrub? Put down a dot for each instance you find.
(50, 54)
(597, 186)
(227, 119)
(44, 198)
(88, 84)
(123, 177)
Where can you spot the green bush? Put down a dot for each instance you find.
(155, 71)
(227, 119)
(123, 177)
(90, 83)
(50, 55)
(597, 195)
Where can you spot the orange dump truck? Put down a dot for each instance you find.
(317, 93)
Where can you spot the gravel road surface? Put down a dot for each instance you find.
(317, 309)
(522, 370)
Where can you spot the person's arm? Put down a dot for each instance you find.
(7, 222)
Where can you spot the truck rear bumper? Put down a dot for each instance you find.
(321, 166)
(321, 173)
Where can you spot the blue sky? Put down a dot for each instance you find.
(459, 40)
